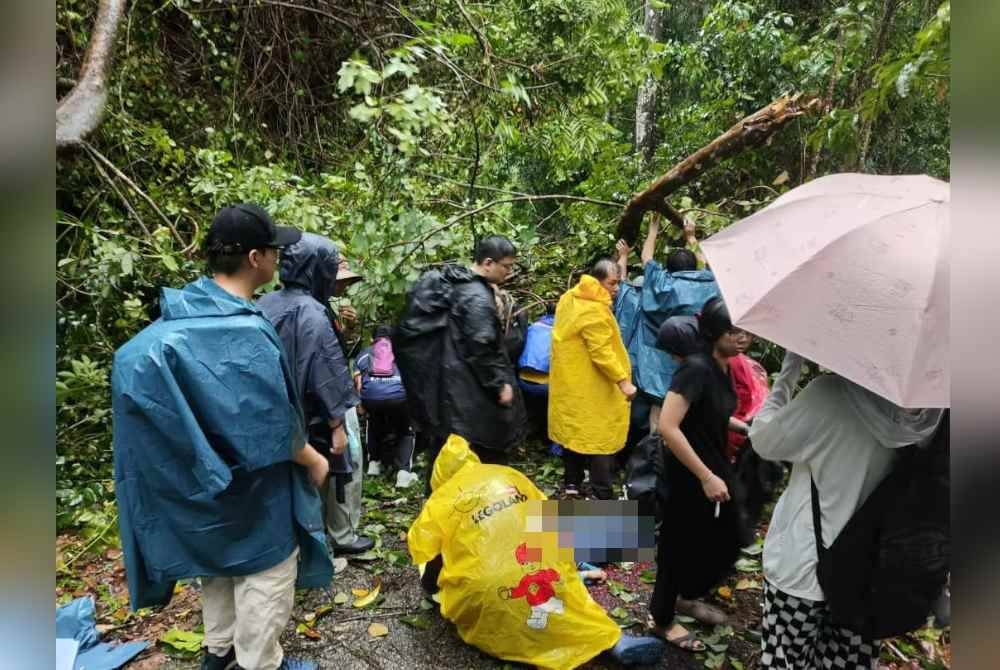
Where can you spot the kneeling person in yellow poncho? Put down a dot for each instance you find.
(589, 381)
(511, 593)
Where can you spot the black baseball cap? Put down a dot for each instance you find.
(240, 228)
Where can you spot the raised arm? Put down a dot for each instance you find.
(691, 242)
(623, 250)
(649, 246)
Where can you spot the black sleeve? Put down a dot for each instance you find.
(689, 380)
(481, 340)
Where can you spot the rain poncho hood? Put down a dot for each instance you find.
(663, 295)
(512, 592)
(588, 413)
(301, 314)
(891, 425)
(311, 264)
(449, 347)
(206, 422)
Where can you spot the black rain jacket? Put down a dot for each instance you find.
(450, 351)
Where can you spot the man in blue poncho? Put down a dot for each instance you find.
(213, 476)
(679, 289)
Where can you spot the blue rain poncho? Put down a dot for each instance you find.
(664, 294)
(206, 422)
(301, 315)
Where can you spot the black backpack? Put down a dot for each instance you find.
(645, 479)
(889, 564)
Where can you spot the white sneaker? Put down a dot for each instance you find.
(374, 468)
(405, 479)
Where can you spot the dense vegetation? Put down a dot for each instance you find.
(404, 131)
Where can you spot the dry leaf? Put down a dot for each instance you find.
(359, 593)
(725, 592)
(368, 599)
(341, 598)
(308, 631)
(780, 179)
(745, 584)
(378, 629)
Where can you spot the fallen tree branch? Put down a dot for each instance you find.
(752, 131)
(82, 110)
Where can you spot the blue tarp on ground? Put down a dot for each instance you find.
(75, 621)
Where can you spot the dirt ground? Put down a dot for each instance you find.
(327, 628)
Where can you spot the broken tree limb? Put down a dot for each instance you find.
(752, 131)
(82, 110)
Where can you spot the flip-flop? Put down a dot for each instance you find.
(694, 645)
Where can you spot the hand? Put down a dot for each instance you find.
(623, 249)
(339, 441)
(738, 427)
(715, 489)
(348, 314)
(506, 397)
(690, 230)
(628, 388)
(655, 221)
(319, 470)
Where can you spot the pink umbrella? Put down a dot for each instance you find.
(851, 271)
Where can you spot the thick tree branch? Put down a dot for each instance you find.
(752, 131)
(82, 110)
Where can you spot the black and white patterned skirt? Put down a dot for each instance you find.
(797, 635)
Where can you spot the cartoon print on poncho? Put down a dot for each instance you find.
(535, 587)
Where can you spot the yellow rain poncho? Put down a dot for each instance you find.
(511, 593)
(588, 413)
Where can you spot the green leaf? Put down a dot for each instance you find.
(169, 262)
(421, 621)
(187, 641)
(362, 112)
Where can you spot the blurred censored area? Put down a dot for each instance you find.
(597, 531)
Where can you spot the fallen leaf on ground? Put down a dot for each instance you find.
(745, 584)
(183, 640)
(421, 621)
(378, 630)
(308, 631)
(341, 598)
(370, 596)
(360, 593)
(725, 592)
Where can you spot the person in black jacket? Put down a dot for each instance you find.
(449, 347)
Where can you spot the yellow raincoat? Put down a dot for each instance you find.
(588, 413)
(513, 593)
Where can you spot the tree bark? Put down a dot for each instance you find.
(82, 110)
(752, 131)
(645, 106)
(881, 38)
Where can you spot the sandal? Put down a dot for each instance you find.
(689, 642)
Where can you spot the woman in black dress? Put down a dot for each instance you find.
(699, 537)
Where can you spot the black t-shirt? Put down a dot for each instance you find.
(712, 400)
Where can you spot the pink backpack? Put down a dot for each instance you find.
(383, 360)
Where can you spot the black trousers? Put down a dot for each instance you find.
(390, 436)
(602, 470)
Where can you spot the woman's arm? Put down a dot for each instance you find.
(675, 408)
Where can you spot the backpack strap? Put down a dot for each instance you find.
(817, 521)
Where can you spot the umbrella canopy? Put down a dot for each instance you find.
(852, 272)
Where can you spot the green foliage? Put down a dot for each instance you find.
(388, 135)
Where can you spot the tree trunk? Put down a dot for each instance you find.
(82, 110)
(752, 131)
(881, 38)
(645, 106)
